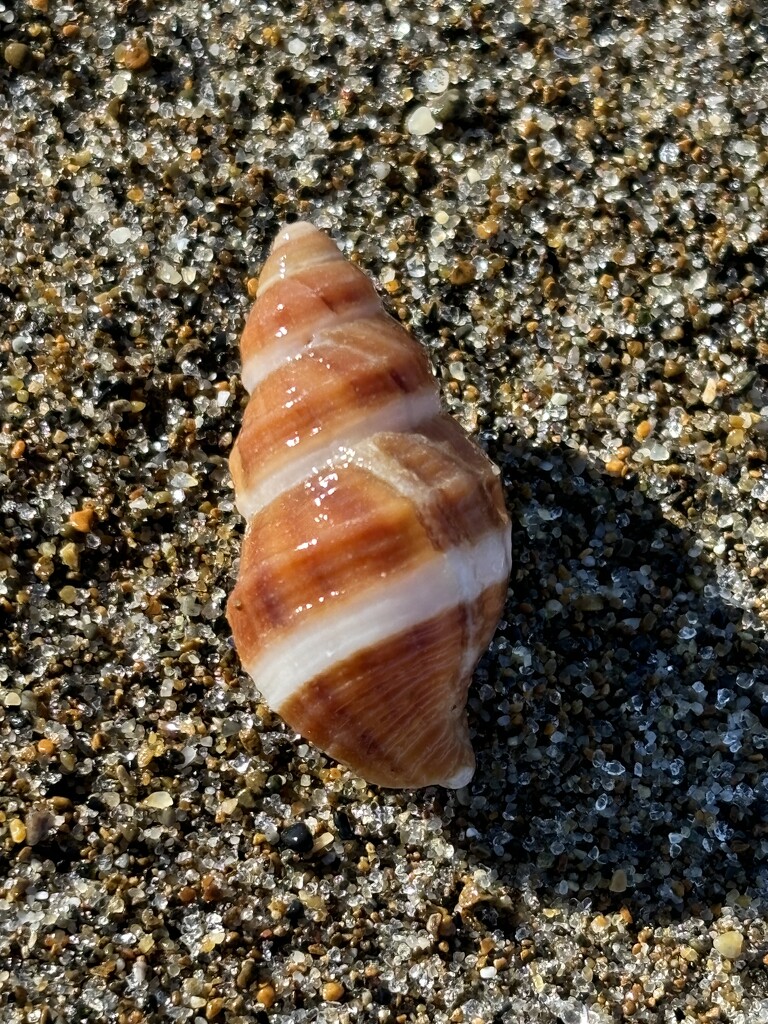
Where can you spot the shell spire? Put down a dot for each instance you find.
(377, 553)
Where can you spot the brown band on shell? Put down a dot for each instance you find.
(316, 546)
(309, 301)
(449, 480)
(340, 378)
(394, 712)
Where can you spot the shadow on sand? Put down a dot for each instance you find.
(620, 717)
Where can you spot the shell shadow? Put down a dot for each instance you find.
(619, 718)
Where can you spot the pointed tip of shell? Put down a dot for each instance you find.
(296, 248)
(290, 232)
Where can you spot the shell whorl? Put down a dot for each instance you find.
(377, 553)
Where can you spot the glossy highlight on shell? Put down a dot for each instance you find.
(375, 563)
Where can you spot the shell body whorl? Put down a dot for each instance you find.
(377, 553)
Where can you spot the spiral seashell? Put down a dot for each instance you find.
(377, 553)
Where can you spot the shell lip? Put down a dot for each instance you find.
(459, 779)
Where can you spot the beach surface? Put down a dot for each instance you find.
(566, 203)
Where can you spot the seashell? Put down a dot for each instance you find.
(375, 562)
